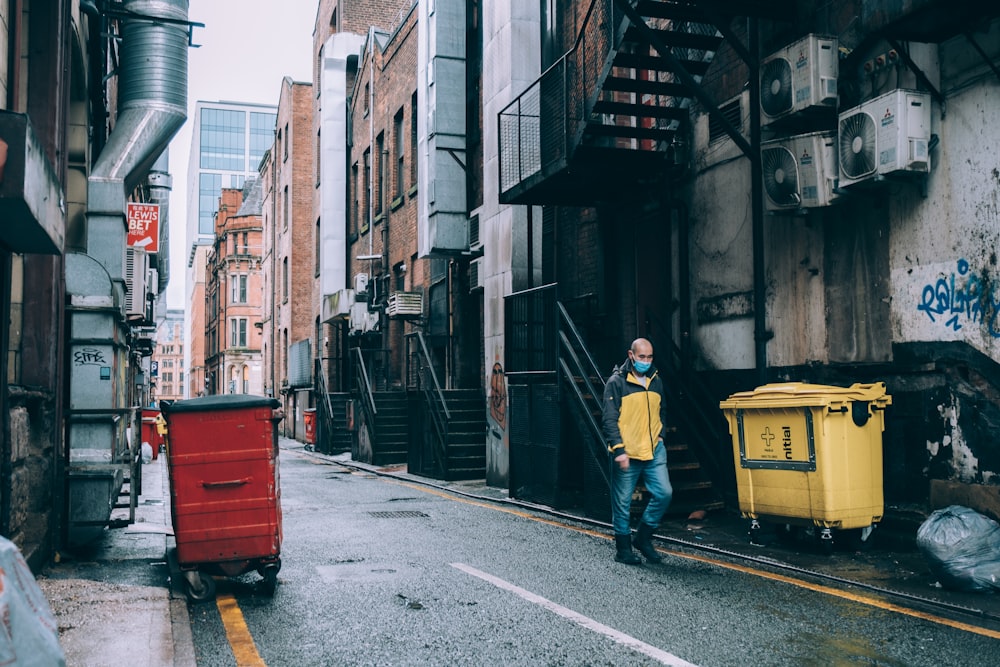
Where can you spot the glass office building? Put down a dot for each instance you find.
(228, 140)
(227, 144)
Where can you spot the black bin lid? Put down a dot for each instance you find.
(219, 402)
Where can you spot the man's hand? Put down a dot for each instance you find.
(622, 461)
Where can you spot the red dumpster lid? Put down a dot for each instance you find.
(220, 402)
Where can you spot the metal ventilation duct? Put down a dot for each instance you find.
(152, 107)
(152, 90)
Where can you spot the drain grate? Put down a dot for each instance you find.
(399, 515)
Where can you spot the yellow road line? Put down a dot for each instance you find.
(847, 595)
(240, 641)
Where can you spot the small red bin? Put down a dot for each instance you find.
(309, 418)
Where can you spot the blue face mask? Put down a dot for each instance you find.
(641, 366)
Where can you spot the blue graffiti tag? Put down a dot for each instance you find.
(963, 295)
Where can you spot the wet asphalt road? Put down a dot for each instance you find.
(377, 571)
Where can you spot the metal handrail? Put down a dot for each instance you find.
(437, 407)
(686, 390)
(364, 388)
(436, 386)
(571, 342)
(327, 405)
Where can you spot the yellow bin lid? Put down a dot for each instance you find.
(799, 394)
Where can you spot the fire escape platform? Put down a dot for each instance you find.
(608, 119)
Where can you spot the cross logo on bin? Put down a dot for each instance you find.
(767, 437)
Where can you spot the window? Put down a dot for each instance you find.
(222, 138)
(367, 95)
(246, 243)
(261, 136)
(168, 377)
(284, 279)
(355, 202)
(283, 369)
(246, 380)
(209, 189)
(239, 283)
(366, 221)
(284, 146)
(413, 141)
(318, 152)
(380, 182)
(238, 332)
(397, 130)
(316, 251)
(284, 207)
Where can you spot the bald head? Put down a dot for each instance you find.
(641, 346)
(641, 355)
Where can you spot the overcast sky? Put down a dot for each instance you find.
(247, 47)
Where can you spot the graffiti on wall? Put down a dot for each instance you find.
(964, 297)
(498, 397)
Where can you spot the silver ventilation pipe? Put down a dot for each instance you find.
(152, 108)
(160, 185)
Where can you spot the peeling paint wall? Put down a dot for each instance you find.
(826, 289)
(963, 463)
(905, 264)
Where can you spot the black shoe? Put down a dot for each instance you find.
(645, 545)
(625, 554)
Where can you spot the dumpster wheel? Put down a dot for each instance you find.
(200, 586)
(270, 574)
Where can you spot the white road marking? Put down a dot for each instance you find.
(581, 620)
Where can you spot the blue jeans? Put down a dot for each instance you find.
(653, 475)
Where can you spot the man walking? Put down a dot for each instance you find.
(633, 418)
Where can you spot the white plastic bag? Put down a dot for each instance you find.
(29, 636)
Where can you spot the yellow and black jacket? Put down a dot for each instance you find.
(634, 412)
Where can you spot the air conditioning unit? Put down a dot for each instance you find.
(136, 272)
(476, 275)
(362, 320)
(405, 304)
(800, 172)
(799, 77)
(361, 286)
(886, 135)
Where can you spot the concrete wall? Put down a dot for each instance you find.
(511, 61)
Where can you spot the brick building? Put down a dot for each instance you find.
(234, 294)
(168, 355)
(291, 252)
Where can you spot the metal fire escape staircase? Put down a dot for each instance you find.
(607, 123)
(606, 120)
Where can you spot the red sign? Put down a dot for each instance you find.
(144, 226)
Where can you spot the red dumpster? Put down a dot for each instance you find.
(309, 418)
(225, 489)
(150, 433)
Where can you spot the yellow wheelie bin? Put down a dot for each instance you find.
(809, 455)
